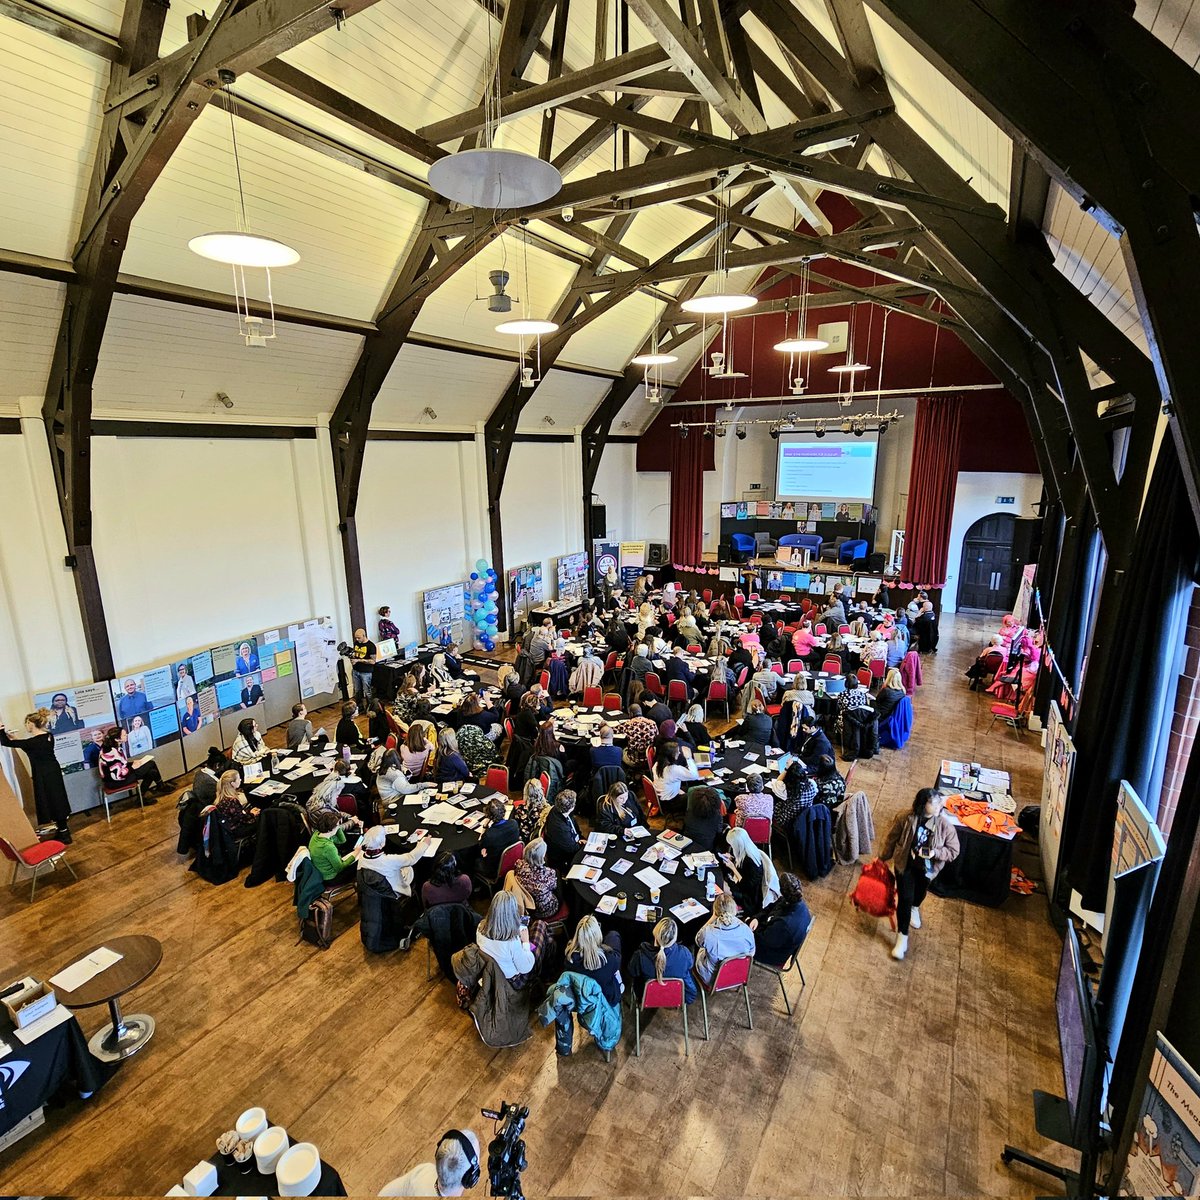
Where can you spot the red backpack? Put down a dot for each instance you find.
(875, 891)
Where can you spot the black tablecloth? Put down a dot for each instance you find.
(231, 1181)
(980, 873)
(58, 1063)
(455, 838)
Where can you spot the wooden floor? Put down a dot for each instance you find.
(890, 1079)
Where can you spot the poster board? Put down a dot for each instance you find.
(633, 563)
(281, 689)
(604, 555)
(444, 614)
(1056, 783)
(526, 590)
(77, 715)
(315, 646)
(1023, 605)
(573, 576)
(1164, 1159)
(146, 708)
(1137, 840)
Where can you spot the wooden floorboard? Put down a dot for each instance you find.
(890, 1079)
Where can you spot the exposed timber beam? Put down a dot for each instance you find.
(63, 27)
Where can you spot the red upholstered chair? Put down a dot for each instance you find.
(497, 780)
(544, 680)
(819, 629)
(795, 666)
(755, 596)
(650, 796)
(544, 780)
(850, 773)
(650, 757)
(612, 701)
(758, 830)
(36, 857)
(756, 620)
(742, 676)
(843, 629)
(738, 601)
(777, 668)
(509, 857)
(706, 595)
(877, 667)
(784, 598)
(677, 693)
(654, 684)
(117, 791)
(695, 649)
(805, 604)
(718, 693)
(667, 994)
(732, 974)
(864, 676)
(832, 666)
(508, 728)
(593, 697)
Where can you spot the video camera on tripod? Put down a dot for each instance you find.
(506, 1150)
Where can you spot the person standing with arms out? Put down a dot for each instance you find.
(49, 790)
(920, 843)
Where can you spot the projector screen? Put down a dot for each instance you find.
(838, 466)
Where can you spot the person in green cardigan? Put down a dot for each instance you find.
(324, 848)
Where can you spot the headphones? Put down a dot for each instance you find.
(471, 1175)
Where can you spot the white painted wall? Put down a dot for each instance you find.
(199, 541)
(616, 489)
(41, 635)
(419, 523)
(975, 497)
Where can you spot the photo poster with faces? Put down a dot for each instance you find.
(146, 709)
(237, 675)
(572, 576)
(78, 715)
(444, 614)
(525, 590)
(195, 691)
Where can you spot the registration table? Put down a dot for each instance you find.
(986, 830)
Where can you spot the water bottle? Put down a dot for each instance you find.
(710, 886)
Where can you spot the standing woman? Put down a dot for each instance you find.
(387, 627)
(49, 791)
(920, 843)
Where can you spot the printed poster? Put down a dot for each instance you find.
(146, 709)
(1165, 1157)
(633, 562)
(763, 508)
(788, 510)
(76, 714)
(729, 510)
(743, 512)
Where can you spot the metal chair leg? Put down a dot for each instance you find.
(746, 996)
(33, 889)
(704, 1006)
(637, 1029)
(687, 1045)
(783, 988)
(428, 960)
(67, 864)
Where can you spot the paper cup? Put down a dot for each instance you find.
(298, 1172)
(269, 1148)
(251, 1123)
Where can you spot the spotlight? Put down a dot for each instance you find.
(858, 430)
(721, 431)
(883, 428)
(708, 432)
(741, 433)
(820, 431)
(683, 431)
(846, 426)
(774, 432)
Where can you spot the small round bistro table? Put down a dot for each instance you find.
(140, 956)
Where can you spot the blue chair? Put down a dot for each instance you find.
(810, 541)
(744, 545)
(852, 551)
(896, 730)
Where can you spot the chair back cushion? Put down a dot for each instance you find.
(758, 830)
(509, 858)
(667, 994)
(733, 973)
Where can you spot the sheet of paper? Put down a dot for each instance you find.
(651, 878)
(593, 860)
(387, 829)
(621, 866)
(669, 866)
(672, 838)
(597, 843)
(587, 874)
(647, 912)
(750, 757)
(443, 813)
(435, 844)
(607, 905)
(417, 798)
(639, 831)
(601, 886)
(756, 769)
(78, 973)
(55, 1017)
(689, 909)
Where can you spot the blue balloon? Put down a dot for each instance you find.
(474, 574)
(491, 618)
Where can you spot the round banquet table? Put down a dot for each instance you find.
(455, 838)
(140, 956)
(678, 887)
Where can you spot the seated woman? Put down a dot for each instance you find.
(756, 726)
(409, 703)
(378, 728)
(501, 833)
(325, 849)
(531, 813)
(115, 767)
(753, 802)
(397, 869)
(616, 636)
(724, 935)
(693, 723)
(876, 648)
(391, 780)
(248, 746)
(799, 792)
(720, 609)
(663, 959)
(987, 662)
(703, 820)
(509, 683)
(617, 810)
(325, 796)
(507, 942)
(561, 832)
(598, 956)
(687, 632)
(831, 785)
(804, 641)
(546, 757)
(448, 884)
(780, 929)
(526, 724)
(347, 732)
(890, 695)
(415, 752)
(750, 873)
(477, 749)
(672, 767)
(451, 766)
(539, 881)
(233, 806)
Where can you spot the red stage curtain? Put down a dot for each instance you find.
(931, 491)
(687, 496)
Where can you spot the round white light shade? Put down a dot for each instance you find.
(801, 345)
(243, 249)
(719, 302)
(848, 368)
(526, 326)
(653, 360)
(491, 178)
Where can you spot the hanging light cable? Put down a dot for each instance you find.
(721, 299)
(525, 328)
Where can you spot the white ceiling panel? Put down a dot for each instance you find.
(30, 310)
(160, 357)
(350, 229)
(1176, 23)
(567, 398)
(1090, 257)
(971, 143)
(635, 415)
(50, 96)
(461, 388)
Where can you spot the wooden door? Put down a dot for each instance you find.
(990, 574)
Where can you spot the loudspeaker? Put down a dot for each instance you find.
(657, 554)
(724, 552)
(599, 521)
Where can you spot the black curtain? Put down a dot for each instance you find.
(1121, 709)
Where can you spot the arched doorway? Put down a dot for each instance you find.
(990, 571)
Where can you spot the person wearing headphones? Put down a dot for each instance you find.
(455, 1169)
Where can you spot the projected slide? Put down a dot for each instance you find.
(836, 467)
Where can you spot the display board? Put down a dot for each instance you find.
(573, 576)
(195, 692)
(1056, 783)
(77, 715)
(444, 613)
(1165, 1157)
(837, 467)
(633, 563)
(1137, 840)
(604, 556)
(526, 590)
(147, 709)
(315, 642)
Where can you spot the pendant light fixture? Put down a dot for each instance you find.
(852, 366)
(796, 346)
(722, 300)
(486, 176)
(653, 362)
(242, 249)
(528, 331)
